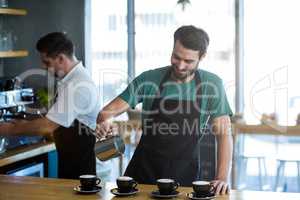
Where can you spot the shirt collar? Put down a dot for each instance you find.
(70, 74)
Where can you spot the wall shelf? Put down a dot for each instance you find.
(10, 11)
(12, 54)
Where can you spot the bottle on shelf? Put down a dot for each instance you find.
(6, 40)
(3, 3)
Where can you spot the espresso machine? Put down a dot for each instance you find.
(14, 100)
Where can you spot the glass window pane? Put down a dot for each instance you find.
(109, 47)
(271, 60)
(271, 73)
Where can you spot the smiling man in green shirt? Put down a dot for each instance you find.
(179, 101)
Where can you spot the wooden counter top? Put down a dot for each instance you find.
(43, 188)
(22, 153)
(267, 129)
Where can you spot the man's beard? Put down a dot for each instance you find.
(183, 76)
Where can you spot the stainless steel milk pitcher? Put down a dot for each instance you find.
(110, 147)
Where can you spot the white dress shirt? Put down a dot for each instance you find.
(77, 98)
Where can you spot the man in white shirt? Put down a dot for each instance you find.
(73, 115)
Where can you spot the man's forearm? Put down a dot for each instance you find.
(222, 130)
(225, 148)
(114, 108)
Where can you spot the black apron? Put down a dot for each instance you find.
(75, 151)
(161, 154)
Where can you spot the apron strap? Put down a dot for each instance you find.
(163, 81)
(198, 98)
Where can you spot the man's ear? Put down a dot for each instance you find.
(61, 58)
(202, 56)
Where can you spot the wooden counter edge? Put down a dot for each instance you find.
(23, 153)
(13, 11)
(268, 129)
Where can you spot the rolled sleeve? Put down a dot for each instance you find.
(219, 105)
(134, 92)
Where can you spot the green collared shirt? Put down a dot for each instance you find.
(145, 87)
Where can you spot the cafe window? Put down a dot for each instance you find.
(271, 68)
(272, 60)
(109, 47)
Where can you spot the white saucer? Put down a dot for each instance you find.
(80, 190)
(117, 193)
(192, 196)
(156, 194)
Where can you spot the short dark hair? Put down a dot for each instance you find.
(192, 38)
(55, 43)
